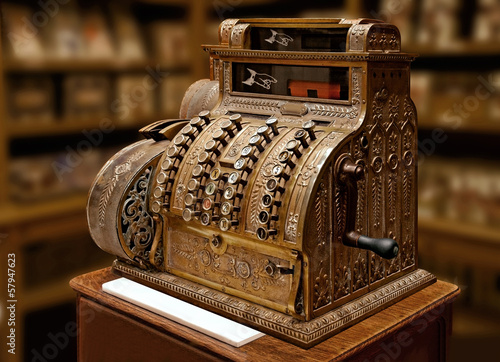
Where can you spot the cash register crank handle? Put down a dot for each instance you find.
(348, 173)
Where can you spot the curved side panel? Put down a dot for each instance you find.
(124, 173)
(201, 95)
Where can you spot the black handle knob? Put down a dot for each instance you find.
(386, 248)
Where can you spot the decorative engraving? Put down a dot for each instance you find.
(377, 200)
(236, 34)
(393, 110)
(255, 198)
(384, 39)
(360, 272)
(207, 98)
(407, 255)
(340, 211)
(110, 185)
(391, 196)
(393, 142)
(225, 30)
(361, 184)
(407, 192)
(291, 230)
(227, 77)
(267, 320)
(377, 144)
(377, 164)
(342, 281)
(408, 139)
(137, 226)
(159, 257)
(357, 37)
(396, 57)
(394, 42)
(322, 288)
(409, 111)
(253, 104)
(393, 265)
(320, 207)
(376, 268)
(236, 267)
(373, 40)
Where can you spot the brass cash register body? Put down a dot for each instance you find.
(285, 195)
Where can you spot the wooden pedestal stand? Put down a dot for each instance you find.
(414, 329)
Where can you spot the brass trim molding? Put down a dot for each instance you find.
(304, 334)
(382, 56)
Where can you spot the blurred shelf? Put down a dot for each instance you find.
(462, 230)
(460, 49)
(475, 322)
(229, 3)
(73, 126)
(479, 126)
(56, 292)
(90, 65)
(12, 213)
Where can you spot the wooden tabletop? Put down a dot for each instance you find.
(340, 346)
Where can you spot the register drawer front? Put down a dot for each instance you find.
(254, 274)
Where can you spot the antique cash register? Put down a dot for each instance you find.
(284, 197)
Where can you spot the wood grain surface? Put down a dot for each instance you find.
(416, 327)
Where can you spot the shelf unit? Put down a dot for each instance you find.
(51, 223)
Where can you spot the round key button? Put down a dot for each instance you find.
(267, 200)
(226, 124)
(158, 192)
(206, 204)
(271, 184)
(205, 115)
(187, 214)
(205, 218)
(309, 126)
(215, 174)
(236, 119)
(226, 208)
(156, 207)
(172, 151)
(203, 157)
(162, 177)
(284, 156)
(273, 123)
(167, 164)
(211, 146)
(234, 177)
(198, 170)
(197, 122)
(277, 170)
(263, 217)
(240, 163)
(219, 135)
(255, 139)
(262, 233)
(300, 133)
(210, 188)
(246, 151)
(224, 224)
(189, 199)
(193, 184)
(229, 192)
(292, 144)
